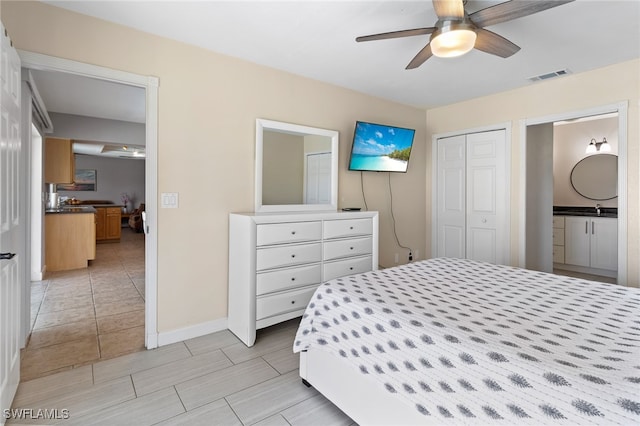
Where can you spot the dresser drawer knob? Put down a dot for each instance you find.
(293, 278)
(351, 227)
(350, 248)
(293, 232)
(293, 302)
(351, 268)
(293, 255)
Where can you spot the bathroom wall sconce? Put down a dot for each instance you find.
(595, 146)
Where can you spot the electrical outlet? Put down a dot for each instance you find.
(397, 258)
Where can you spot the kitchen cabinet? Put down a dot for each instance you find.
(108, 223)
(276, 262)
(591, 242)
(59, 161)
(70, 240)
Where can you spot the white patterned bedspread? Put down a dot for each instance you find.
(471, 342)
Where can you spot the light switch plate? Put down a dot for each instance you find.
(169, 200)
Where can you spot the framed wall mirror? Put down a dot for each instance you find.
(596, 177)
(296, 167)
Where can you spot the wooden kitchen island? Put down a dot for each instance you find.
(70, 238)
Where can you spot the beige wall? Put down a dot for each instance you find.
(208, 104)
(282, 168)
(604, 86)
(569, 144)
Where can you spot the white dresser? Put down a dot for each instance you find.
(276, 262)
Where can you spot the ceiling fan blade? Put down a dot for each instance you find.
(420, 58)
(510, 10)
(449, 8)
(397, 34)
(490, 42)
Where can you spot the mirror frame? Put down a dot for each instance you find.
(261, 125)
(581, 191)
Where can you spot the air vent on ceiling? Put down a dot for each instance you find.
(549, 75)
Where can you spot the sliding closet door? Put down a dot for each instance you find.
(472, 197)
(486, 197)
(451, 197)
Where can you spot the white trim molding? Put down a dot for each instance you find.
(193, 331)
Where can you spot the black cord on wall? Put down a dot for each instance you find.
(363, 196)
(393, 220)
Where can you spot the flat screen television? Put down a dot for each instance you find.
(380, 148)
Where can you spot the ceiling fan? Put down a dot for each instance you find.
(456, 32)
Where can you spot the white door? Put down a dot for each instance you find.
(604, 243)
(576, 241)
(10, 241)
(451, 208)
(318, 178)
(487, 197)
(472, 197)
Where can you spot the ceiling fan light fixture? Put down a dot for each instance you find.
(453, 40)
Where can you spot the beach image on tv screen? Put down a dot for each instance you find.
(381, 148)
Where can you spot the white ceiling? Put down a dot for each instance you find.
(316, 39)
(78, 95)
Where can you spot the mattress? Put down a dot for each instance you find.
(470, 342)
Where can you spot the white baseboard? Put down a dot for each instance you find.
(181, 334)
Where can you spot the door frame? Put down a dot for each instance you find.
(622, 109)
(506, 126)
(150, 84)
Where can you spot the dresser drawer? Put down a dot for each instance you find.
(558, 222)
(290, 255)
(347, 228)
(558, 237)
(347, 248)
(290, 232)
(341, 268)
(280, 303)
(284, 279)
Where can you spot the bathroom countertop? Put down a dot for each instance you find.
(585, 211)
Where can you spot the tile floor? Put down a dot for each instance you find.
(82, 316)
(589, 277)
(210, 380)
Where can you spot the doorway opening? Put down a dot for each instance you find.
(587, 235)
(138, 262)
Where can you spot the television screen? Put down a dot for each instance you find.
(380, 148)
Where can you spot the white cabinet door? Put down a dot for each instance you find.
(486, 197)
(577, 241)
(451, 215)
(471, 211)
(604, 243)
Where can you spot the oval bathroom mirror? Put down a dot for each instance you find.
(596, 177)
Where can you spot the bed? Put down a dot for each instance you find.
(452, 341)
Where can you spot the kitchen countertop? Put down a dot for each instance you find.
(71, 209)
(585, 211)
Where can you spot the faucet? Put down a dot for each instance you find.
(597, 209)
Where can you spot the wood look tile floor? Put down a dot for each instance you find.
(211, 380)
(82, 316)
